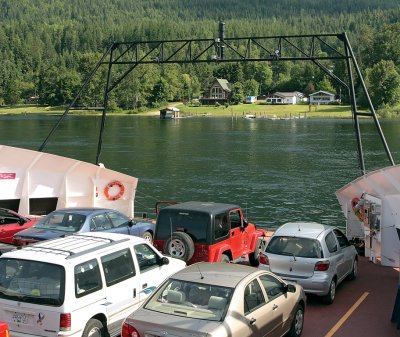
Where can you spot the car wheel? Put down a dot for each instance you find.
(330, 296)
(254, 257)
(94, 328)
(298, 322)
(148, 237)
(354, 271)
(224, 258)
(179, 245)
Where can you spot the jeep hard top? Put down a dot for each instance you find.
(206, 231)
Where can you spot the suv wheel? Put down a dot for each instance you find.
(94, 328)
(179, 245)
(254, 258)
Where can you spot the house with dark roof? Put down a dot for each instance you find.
(322, 97)
(218, 92)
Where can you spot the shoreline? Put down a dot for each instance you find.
(260, 111)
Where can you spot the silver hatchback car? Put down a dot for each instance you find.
(316, 256)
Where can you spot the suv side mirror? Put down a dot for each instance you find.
(164, 261)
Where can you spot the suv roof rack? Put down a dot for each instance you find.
(69, 253)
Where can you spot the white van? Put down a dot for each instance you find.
(79, 285)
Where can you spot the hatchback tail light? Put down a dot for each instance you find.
(322, 266)
(129, 331)
(264, 259)
(65, 322)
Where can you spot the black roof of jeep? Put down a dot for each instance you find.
(212, 208)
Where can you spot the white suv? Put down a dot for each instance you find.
(79, 285)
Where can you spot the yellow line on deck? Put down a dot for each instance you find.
(346, 315)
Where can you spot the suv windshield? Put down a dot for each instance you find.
(196, 224)
(31, 281)
(192, 300)
(61, 221)
(294, 246)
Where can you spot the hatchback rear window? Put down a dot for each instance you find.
(294, 246)
(32, 281)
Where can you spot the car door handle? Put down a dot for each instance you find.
(274, 307)
(144, 286)
(252, 321)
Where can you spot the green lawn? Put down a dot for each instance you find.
(268, 111)
(259, 110)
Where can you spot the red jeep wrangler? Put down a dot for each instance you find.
(205, 231)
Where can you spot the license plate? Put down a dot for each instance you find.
(20, 318)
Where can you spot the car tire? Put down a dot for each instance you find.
(298, 322)
(94, 328)
(224, 258)
(254, 257)
(330, 296)
(354, 272)
(148, 236)
(179, 245)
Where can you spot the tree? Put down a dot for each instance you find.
(159, 93)
(12, 93)
(383, 81)
(236, 95)
(251, 87)
(326, 85)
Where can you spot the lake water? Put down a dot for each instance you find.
(277, 170)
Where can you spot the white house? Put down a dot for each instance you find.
(322, 97)
(284, 98)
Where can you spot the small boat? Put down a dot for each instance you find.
(250, 116)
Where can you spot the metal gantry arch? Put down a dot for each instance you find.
(323, 50)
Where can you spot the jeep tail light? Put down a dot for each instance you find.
(129, 331)
(322, 266)
(264, 259)
(65, 322)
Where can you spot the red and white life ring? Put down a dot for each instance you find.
(111, 185)
(358, 207)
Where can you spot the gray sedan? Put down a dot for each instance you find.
(80, 220)
(316, 256)
(220, 300)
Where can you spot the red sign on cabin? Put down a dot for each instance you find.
(7, 175)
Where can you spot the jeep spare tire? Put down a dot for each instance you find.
(179, 245)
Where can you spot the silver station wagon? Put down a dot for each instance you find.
(316, 256)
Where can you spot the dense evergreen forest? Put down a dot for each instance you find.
(47, 49)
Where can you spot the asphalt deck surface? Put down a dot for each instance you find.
(362, 307)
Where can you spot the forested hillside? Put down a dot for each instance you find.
(47, 49)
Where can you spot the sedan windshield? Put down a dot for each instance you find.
(295, 246)
(193, 300)
(61, 221)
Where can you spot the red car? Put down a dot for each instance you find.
(11, 223)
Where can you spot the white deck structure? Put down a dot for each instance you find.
(375, 198)
(32, 180)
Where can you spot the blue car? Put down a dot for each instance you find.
(81, 220)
